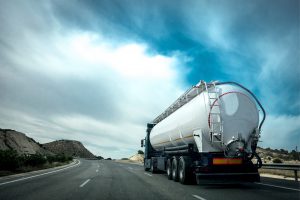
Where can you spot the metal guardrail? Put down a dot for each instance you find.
(280, 166)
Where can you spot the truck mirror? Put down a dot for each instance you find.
(142, 142)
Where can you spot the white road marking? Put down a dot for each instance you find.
(147, 174)
(130, 168)
(97, 170)
(85, 182)
(278, 186)
(25, 178)
(198, 197)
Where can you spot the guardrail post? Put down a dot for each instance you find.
(296, 175)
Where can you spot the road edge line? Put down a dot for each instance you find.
(29, 177)
(198, 197)
(278, 186)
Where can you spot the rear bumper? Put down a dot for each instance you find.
(227, 177)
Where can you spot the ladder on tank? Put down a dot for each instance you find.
(214, 120)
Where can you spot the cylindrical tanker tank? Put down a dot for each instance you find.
(209, 133)
(229, 108)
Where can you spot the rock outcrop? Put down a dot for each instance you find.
(137, 158)
(11, 139)
(69, 148)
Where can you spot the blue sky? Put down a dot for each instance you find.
(98, 71)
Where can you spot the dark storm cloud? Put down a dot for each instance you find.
(251, 30)
(158, 23)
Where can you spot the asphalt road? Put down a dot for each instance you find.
(93, 179)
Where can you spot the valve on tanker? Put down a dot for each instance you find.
(235, 147)
(255, 137)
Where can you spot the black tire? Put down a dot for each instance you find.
(169, 169)
(175, 169)
(146, 168)
(153, 169)
(184, 170)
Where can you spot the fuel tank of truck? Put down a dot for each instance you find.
(217, 118)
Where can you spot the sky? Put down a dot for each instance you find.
(98, 71)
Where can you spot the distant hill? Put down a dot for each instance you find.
(13, 140)
(69, 148)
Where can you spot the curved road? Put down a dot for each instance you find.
(94, 179)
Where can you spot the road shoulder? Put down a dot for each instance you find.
(37, 172)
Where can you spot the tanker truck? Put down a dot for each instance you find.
(209, 134)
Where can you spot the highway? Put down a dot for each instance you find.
(104, 179)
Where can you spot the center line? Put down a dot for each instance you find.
(198, 197)
(85, 182)
(147, 174)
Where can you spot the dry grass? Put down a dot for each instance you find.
(25, 169)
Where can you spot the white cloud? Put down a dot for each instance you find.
(55, 77)
(130, 60)
(142, 84)
(281, 131)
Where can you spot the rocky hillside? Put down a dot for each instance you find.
(269, 155)
(69, 148)
(10, 139)
(137, 158)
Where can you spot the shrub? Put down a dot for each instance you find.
(295, 155)
(51, 159)
(99, 157)
(59, 158)
(33, 160)
(140, 152)
(283, 151)
(277, 160)
(9, 160)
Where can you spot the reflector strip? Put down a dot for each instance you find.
(227, 161)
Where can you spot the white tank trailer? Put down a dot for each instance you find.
(208, 134)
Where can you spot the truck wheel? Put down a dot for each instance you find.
(175, 169)
(169, 169)
(153, 168)
(184, 172)
(146, 168)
